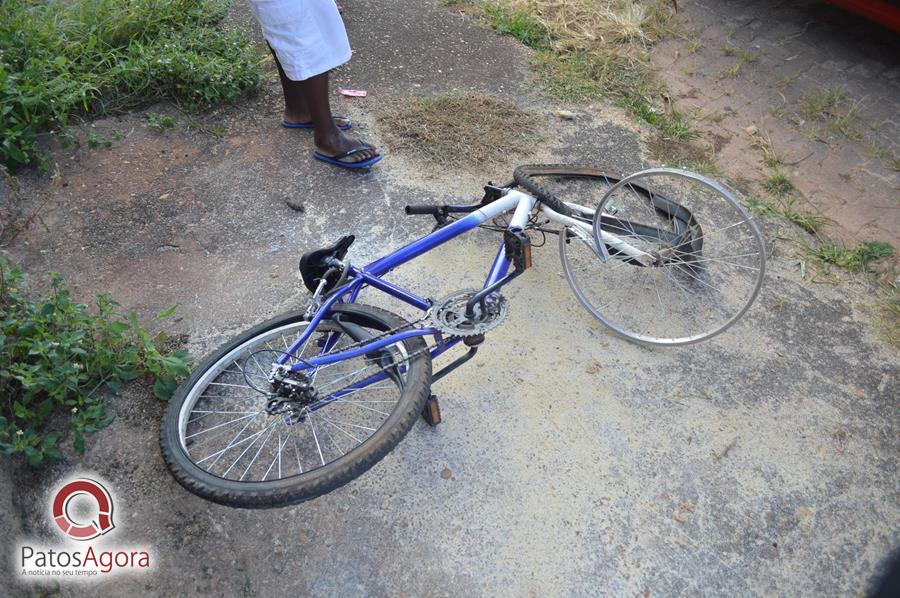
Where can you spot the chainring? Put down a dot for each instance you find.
(449, 313)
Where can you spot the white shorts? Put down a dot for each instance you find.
(308, 36)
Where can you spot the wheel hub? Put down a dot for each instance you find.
(293, 392)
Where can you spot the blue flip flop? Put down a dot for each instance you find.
(309, 125)
(336, 160)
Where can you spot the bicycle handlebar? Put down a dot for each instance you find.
(522, 175)
(426, 209)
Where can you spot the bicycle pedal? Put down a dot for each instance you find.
(431, 413)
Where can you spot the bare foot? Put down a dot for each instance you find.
(337, 143)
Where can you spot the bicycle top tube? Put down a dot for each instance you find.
(371, 274)
(424, 244)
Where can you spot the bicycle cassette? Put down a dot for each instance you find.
(449, 313)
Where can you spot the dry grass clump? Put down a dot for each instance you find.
(459, 129)
(589, 24)
(588, 49)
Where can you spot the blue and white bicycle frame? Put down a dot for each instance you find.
(371, 276)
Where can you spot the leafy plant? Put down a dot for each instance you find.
(161, 122)
(94, 141)
(58, 360)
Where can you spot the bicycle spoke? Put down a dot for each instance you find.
(261, 447)
(228, 423)
(231, 439)
(709, 259)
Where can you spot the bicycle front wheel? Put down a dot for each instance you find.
(671, 258)
(222, 444)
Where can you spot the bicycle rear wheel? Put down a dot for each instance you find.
(220, 442)
(701, 264)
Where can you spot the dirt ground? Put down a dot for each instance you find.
(763, 462)
(753, 72)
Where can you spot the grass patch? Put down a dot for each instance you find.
(761, 207)
(58, 360)
(771, 158)
(460, 129)
(821, 103)
(786, 80)
(60, 60)
(519, 23)
(743, 57)
(569, 78)
(852, 258)
(829, 106)
(678, 154)
(778, 184)
(595, 50)
(730, 72)
(811, 222)
(95, 141)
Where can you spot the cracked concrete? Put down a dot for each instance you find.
(763, 462)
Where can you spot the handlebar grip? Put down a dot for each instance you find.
(421, 210)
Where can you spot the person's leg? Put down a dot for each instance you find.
(306, 101)
(295, 110)
(329, 140)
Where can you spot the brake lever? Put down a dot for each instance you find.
(440, 217)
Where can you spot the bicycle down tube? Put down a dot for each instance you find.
(371, 274)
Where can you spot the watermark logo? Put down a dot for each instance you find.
(82, 511)
(91, 529)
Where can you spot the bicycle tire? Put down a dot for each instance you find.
(522, 176)
(321, 480)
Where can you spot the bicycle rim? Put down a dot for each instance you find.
(706, 256)
(224, 430)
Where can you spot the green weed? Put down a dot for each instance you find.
(829, 106)
(95, 141)
(889, 308)
(60, 60)
(58, 359)
(519, 23)
(760, 206)
(852, 258)
(161, 122)
(778, 184)
(822, 102)
(811, 222)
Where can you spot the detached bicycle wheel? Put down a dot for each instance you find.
(222, 444)
(692, 263)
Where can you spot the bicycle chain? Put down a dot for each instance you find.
(386, 333)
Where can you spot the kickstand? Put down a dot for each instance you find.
(431, 413)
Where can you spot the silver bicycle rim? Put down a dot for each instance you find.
(617, 295)
(223, 427)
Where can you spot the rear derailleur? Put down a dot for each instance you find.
(293, 394)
